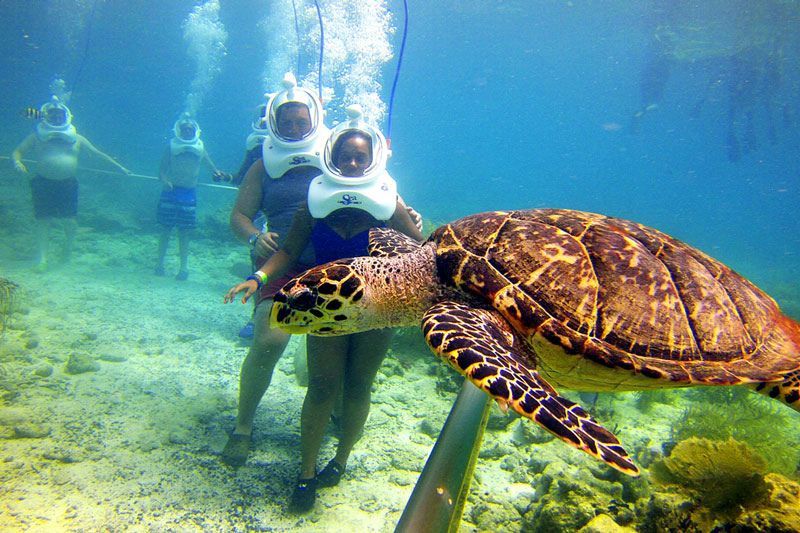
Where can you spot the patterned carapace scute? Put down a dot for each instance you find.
(619, 293)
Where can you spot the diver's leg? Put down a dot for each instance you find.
(42, 242)
(70, 231)
(326, 363)
(257, 368)
(367, 351)
(254, 380)
(184, 237)
(42, 213)
(163, 243)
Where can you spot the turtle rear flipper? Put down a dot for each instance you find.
(386, 242)
(481, 345)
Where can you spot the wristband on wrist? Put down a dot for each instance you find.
(259, 277)
(254, 239)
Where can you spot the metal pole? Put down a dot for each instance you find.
(142, 176)
(437, 500)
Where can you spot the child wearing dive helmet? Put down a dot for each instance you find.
(55, 147)
(177, 205)
(354, 194)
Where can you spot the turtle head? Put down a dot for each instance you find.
(325, 300)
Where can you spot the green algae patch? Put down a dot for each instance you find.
(723, 476)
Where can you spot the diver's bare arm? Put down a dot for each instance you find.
(248, 201)
(401, 221)
(85, 142)
(163, 167)
(416, 218)
(297, 239)
(20, 150)
(207, 160)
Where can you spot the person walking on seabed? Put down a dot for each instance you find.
(354, 194)
(277, 185)
(55, 147)
(177, 205)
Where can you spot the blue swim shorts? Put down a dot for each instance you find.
(178, 208)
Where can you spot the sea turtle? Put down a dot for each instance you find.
(521, 301)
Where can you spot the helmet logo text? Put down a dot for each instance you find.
(349, 199)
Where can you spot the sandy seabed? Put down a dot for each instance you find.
(135, 443)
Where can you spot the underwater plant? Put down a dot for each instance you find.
(723, 476)
(646, 401)
(735, 412)
(8, 290)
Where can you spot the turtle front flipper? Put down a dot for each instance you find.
(386, 242)
(482, 346)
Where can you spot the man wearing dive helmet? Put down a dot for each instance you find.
(55, 147)
(353, 194)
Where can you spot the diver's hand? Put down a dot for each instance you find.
(267, 244)
(416, 218)
(224, 177)
(249, 287)
(19, 166)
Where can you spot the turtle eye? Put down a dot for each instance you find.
(304, 300)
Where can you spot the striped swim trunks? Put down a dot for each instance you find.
(178, 208)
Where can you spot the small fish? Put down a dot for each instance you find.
(612, 126)
(32, 113)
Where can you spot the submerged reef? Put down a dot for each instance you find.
(569, 496)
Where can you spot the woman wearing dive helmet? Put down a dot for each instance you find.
(354, 194)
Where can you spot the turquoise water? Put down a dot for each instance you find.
(499, 105)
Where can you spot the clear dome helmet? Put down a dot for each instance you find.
(259, 126)
(56, 116)
(374, 191)
(56, 122)
(292, 94)
(186, 136)
(186, 129)
(259, 123)
(281, 153)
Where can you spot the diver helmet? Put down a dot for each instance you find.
(56, 122)
(374, 192)
(186, 137)
(259, 126)
(281, 154)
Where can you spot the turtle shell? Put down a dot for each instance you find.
(620, 294)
